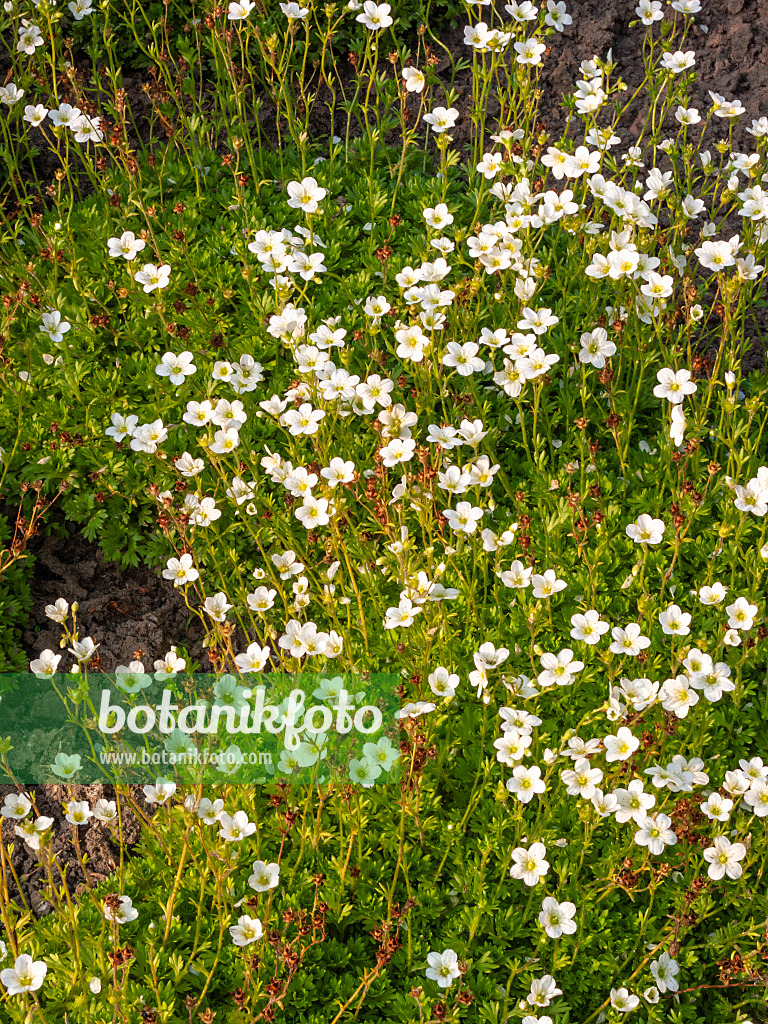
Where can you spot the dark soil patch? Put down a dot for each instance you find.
(134, 614)
(99, 845)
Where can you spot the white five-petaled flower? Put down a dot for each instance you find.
(443, 967)
(305, 195)
(120, 910)
(240, 9)
(375, 16)
(264, 876)
(181, 570)
(623, 1001)
(526, 782)
(127, 245)
(176, 367)
(529, 51)
(441, 119)
(247, 930)
(529, 865)
(464, 518)
(646, 530)
(236, 827)
(557, 918)
(664, 970)
(152, 276)
(675, 621)
(674, 385)
(621, 746)
(629, 640)
(26, 975)
(588, 627)
(217, 606)
(723, 858)
(414, 79)
(655, 833)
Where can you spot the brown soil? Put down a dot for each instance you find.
(98, 844)
(126, 611)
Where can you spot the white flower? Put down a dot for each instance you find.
(543, 990)
(304, 420)
(595, 347)
(628, 641)
(414, 79)
(716, 807)
(463, 358)
(547, 584)
(45, 665)
(529, 865)
(621, 746)
(678, 61)
(124, 913)
(127, 245)
(674, 386)
(160, 792)
(236, 827)
(757, 797)
(151, 276)
(83, 649)
(442, 682)
(588, 627)
(633, 803)
(557, 918)
(529, 51)
(674, 621)
(655, 833)
(247, 929)
(54, 326)
(622, 1001)
(649, 11)
(556, 16)
(664, 970)
(582, 780)
(16, 806)
(305, 195)
(559, 669)
(741, 614)
(26, 975)
(518, 576)
(264, 877)
(464, 518)
(375, 16)
(723, 858)
(10, 94)
(254, 659)
(525, 783)
(443, 967)
(181, 570)
(715, 255)
(35, 115)
(176, 367)
(676, 695)
(217, 606)
(240, 9)
(402, 616)
(294, 11)
(30, 38)
(646, 530)
(441, 119)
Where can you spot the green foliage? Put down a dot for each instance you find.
(503, 470)
(15, 601)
